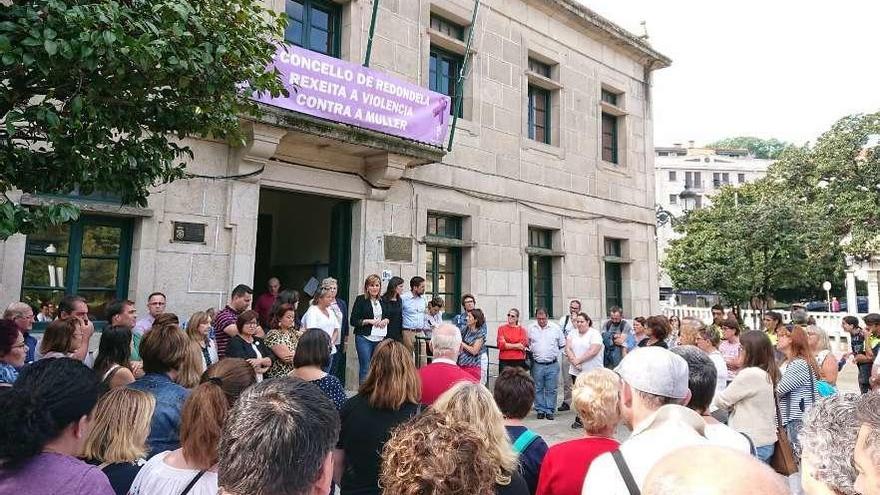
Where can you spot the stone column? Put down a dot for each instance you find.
(874, 291)
(852, 303)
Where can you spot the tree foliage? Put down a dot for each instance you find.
(841, 173)
(760, 148)
(793, 228)
(96, 95)
(752, 241)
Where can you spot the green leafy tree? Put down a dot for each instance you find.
(750, 242)
(760, 148)
(97, 95)
(841, 173)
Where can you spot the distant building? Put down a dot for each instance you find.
(702, 171)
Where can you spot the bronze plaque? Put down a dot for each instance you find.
(398, 248)
(189, 232)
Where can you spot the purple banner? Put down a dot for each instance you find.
(341, 91)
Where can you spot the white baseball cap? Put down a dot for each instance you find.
(656, 371)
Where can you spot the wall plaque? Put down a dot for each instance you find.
(398, 248)
(189, 232)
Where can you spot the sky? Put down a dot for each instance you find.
(780, 69)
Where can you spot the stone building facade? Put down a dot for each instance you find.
(547, 194)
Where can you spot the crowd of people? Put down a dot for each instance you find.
(248, 401)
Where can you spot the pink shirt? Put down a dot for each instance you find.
(729, 351)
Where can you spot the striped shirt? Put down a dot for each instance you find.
(227, 316)
(796, 390)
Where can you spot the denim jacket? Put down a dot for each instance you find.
(165, 425)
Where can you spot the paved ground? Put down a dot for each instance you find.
(559, 430)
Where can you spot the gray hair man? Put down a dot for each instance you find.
(712, 470)
(443, 372)
(22, 315)
(867, 452)
(654, 387)
(282, 416)
(828, 439)
(702, 382)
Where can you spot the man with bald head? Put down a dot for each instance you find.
(712, 470)
(264, 303)
(443, 372)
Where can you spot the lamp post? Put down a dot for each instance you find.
(688, 199)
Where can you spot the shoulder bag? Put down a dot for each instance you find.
(783, 460)
(628, 479)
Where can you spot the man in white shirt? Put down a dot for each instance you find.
(701, 383)
(654, 384)
(546, 342)
(414, 306)
(566, 323)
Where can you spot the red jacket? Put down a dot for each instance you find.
(440, 377)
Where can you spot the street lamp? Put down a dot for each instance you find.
(688, 199)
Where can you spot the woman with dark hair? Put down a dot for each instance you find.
(640, 333)
(247, 345)
(13, 352)
(192, 468)
(393, 309)
(797, 387)
(389, 396)
(674, 330)
(772, 323)
(514, 394)
(113, 364)
(473, 345)
(656, 330)
(62, 338)
(729, 347)
(289, 297)
(44, 424)
(163, 350)
(749, 396)
(282, 340)
(311, 359)
(370, 327)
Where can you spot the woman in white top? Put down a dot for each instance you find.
(820, 346)
(319, 315)
(194, 465)
(750, 395)
(369, 326)
(708, 340)
(584, 350)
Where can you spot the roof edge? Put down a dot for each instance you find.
(654, 59)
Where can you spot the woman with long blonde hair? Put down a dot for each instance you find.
(198, 329)
(472, 406)
(117, 440)
(388, 397)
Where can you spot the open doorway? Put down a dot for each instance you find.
(302, 236)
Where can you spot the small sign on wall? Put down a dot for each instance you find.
(398, 248)
(188, 232)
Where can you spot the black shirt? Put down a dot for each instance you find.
(517, 486)
(363, 435)
(120, 474)
(239, 348)
(393, 311)
(659, 343)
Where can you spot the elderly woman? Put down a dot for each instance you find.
(597, 401)
(820, 345)
(13, 352)
(828, 439)
(321, 315)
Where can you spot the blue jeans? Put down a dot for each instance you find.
(546, 378)
(365, 349)
(765, 453)
(793, 428)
